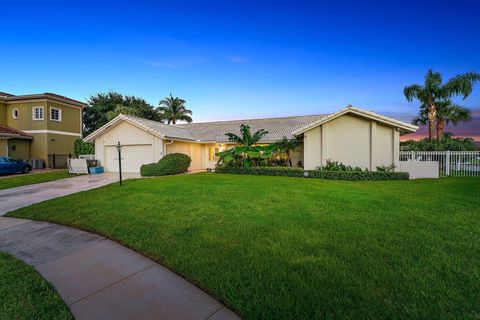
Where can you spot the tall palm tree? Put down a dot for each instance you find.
(433, 91)
(246, 138)
(447, 112)
(174, 109)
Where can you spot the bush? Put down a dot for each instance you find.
(80, 147)
(174, 163)
(338, 166)
(319, 174)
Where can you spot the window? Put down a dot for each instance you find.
(55, 114)
(37, 113)
(211, 153)
(15, 113)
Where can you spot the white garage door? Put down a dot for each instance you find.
(132, 158)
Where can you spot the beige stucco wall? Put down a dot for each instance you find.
(312, 152)
(19, 149)
(71, 118)
(3, 113)
(195, 150)
(420, 169)
(60, 144)
(352, 140)
(127, 134)
(3, 147)
(25, 120)
(38, 147)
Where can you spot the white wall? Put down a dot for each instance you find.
(420, 169)
(352, 140)
(127, 134)
(312, 142)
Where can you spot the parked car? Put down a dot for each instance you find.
(10, 166)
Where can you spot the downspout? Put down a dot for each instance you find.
(165, 147)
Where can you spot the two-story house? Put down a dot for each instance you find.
(35, 126)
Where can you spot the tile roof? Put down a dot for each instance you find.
(161, 129)
(6, 131)
(215, 131)
(47, 95)
(277, 127)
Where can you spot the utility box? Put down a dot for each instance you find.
(95, 170)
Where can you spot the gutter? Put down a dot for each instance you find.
(165, 147)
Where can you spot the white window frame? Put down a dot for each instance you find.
(13, 113)
(59, 114)
(34, 113)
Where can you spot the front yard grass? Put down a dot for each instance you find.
(26, 295)
(293, 248)
(32, 178)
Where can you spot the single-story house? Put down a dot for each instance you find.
(352, 136)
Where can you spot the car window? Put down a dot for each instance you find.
(2, 159)
(11, 160)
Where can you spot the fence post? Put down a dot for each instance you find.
(447, 163)
(413, 155)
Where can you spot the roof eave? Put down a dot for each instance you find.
(363, 113)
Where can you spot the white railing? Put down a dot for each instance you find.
(451, 163)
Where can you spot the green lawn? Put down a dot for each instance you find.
(26, 295)
(294, 248)
(32, 178)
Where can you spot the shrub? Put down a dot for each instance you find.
(174, 163)
(338, 166)
(80, 147)
(319, 174)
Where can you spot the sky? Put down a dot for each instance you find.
(242, 59)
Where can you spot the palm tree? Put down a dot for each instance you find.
(246, 138)
(286, 145)
(246, 152)
(447, 112)
(432, 92)
(174, 109)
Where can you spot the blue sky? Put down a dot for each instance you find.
(240, 59)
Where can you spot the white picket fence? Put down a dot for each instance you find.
(451, 163)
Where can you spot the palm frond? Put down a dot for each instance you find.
(460, 85)
(233, 137)
(412, 92)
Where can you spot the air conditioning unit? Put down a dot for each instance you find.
(36, 163)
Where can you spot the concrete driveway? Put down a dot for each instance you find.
(15, 198)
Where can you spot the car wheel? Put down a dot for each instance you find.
(26, 170)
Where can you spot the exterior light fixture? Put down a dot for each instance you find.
(119, 149)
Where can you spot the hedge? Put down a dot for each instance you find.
(173, 163)
(299, 172)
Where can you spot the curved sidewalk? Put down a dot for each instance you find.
(100, 279)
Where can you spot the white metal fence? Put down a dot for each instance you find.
(451, 163)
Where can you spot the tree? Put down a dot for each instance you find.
(102, 106)
(174, 109)
(447, 142)
(246, 152)
(80, 147)
(286, 145)
(433, 92)
(246, 138)
(122, 110)
(447, 112)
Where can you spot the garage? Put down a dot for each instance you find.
(140, 145)
(133, 156)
